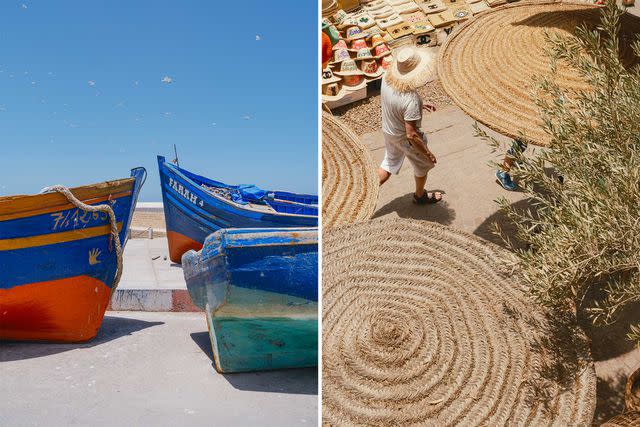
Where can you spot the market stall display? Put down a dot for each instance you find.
(357, 61)
(424, 325)
(382, 26)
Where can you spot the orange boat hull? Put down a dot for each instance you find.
(63, 310)
(179, 245)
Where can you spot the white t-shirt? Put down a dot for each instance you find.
(398, 108)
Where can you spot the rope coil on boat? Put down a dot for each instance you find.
(97, 208)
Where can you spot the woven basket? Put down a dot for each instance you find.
(423, 325)
(632, 391)
(628, 419)
(349, 180)
(490, 64)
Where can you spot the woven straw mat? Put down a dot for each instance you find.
(349, 180)
(423, 325)
(629, 419)
(490, 64)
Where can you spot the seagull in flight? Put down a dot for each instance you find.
(167, 80)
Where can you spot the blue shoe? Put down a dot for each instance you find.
(505, 180)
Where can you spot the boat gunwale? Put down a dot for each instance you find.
(178, 172)
(20, 205)
(297, 236)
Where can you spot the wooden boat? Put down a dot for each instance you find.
(259, 289)
(195, 206)
(58, 263)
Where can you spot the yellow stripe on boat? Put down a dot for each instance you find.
(53, 238)
(57, 207)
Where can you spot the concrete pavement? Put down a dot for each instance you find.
(146, 369)
(462, 173)
(147, 266)
(150, 281)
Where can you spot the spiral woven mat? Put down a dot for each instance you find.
(489, 65)
(349, 180)
(629, 419)
(423, 325)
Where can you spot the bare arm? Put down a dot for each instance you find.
(415, 139)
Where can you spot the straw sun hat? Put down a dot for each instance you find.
(411, 69)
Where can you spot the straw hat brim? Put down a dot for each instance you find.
(375, 6)
(346, 23)
(383, 14)
(349, 73)
(330, 98)
(377, 74)
(422, 74)
(339, 60)
(382, 55)
(378, 42)
(328, 4)
(338, 47)
(359, 86)
(357, 36)
(333, 79)
(366, 25)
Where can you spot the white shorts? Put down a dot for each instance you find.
(397, 148)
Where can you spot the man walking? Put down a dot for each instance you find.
(402, 119)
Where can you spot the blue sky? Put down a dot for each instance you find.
(82, 98)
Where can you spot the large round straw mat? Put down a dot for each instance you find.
(349, 180)
(629, 419)
(423, 325)
(489, 65)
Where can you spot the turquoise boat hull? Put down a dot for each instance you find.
(259, 290)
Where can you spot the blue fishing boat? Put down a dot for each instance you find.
(259, 290)
(195, 206)
(58, 262)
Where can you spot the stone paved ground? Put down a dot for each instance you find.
(463, 174)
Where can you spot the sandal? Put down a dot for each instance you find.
(427, 198)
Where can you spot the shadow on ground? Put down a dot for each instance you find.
(606, 342)
(486, 229)
(405, 208)
(111, 329)
(609, 398)
(291, 381)
(610, 342)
